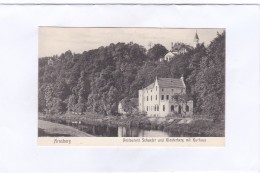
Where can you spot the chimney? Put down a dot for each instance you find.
(182, 79)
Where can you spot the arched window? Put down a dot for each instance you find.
(179, 111)
(172, 108)
(187, 108)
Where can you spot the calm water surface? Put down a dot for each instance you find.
(108, 131)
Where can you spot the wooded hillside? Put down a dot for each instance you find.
(96, 80)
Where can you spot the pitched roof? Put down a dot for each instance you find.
(169, 54)
(135, 101)
(167, 83)
(170, 83)
(150, 86)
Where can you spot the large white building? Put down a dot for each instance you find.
(159, 98)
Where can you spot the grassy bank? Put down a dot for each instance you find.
(46, 128)
(174, 125)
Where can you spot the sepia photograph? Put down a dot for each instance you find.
(129, 86)
(131, 82)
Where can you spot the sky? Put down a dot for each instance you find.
(57, 40)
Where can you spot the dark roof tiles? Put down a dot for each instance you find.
(168, 83)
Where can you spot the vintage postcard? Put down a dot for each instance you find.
(131, 87)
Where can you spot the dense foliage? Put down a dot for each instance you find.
(96, 80)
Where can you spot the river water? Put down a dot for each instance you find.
(108, 131)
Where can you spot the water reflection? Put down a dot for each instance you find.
(108, 131)
(136, 132)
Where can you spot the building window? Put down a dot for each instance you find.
(147, 108)
(162, 97)
(172, 90)
(162, 89)
(163, 107)
(167, 97)
(147, 98)
(156, 88)
(151, 98)
(147, 91)
(172, 108)
(151, 90)
(187, 108)
(155, 97)
(157, 107)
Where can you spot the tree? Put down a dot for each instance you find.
(83, 92)
(110, 101)
(49, 96)
(97, 79)
(181, 100)
(156, 52)
(129, 105)
(210, 80)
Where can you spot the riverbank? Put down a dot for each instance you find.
(175, 125)
(46, 128)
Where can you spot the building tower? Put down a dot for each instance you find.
(195, 40)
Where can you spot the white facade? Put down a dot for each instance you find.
(120, 109)
(158, 98)
(169, 56)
